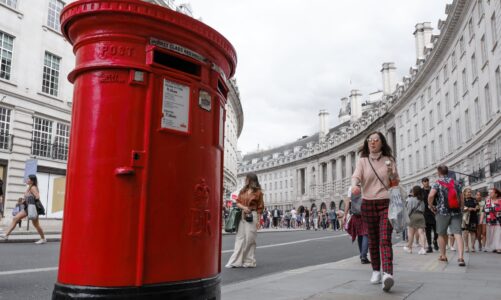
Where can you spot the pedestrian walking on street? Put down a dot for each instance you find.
(493, 218)
(375, 172)
(332, 217)
(470, 220)
(314, 216)
(417, 223)
(31, 195)
(307, 218)
(482, 226)
(250, 201)
(429, 217)
(357, 228)
(275, 217)
(446, 213)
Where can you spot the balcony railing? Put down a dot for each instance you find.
(49, 150)
(6, 141)
(495, 166)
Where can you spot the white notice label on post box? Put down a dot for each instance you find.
(175, 106)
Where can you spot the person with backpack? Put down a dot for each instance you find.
(448, 212)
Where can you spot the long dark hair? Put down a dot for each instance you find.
(252, 183)
(417, 192)
(33, 179)
(385, 148)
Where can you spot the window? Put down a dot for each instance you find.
(461, 46)
(407, 115)
(423, 121)
(470, 28)
(433, 154)
(42, 137)
(467, 124)
(483, 47)
(415, 132)
(498, 87)
(410, 164)
(55, 7)
(473, 67)
(465, 81)
(4, 128)
(408, 137)
(458, 133)
(494, 29)
(480, 7)
(447, 103)
(453, 59)
(421, 100)
(403, 166)
(425, 156)
(455, 92)
(432, 122)
(488, 105)
(441, 145)
(437, 85)
(401, 141)
(61, 142)
(446, 73)
(414, 108)
(11, 3)
(51, 74)
(6, 45)
(449, 140)
(439, 112)
(478, 116)
(429, 93)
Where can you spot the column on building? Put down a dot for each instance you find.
(339, 179)
(329, 177)
(487, 160)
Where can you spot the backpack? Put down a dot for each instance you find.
(452, 201)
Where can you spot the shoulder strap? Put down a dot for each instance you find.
(369, 159)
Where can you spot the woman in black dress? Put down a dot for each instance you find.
(470, 219)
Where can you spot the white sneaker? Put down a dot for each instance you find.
(422, 252)
(376, 277)
(387, 282)
(41, 241)
(407, 249)
(452, 249)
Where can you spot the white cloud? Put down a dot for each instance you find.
(297, 57)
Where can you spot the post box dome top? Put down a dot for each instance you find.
(155, 13)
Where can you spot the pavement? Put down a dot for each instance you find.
(53, 233)
(416, 277)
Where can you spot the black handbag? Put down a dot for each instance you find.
(40, 208)
(249, 217)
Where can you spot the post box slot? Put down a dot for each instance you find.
(173, 62)
(222, 88)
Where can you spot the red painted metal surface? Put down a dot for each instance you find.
(143, 198)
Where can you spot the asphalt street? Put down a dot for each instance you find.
(29, 271)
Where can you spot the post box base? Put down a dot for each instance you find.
(203, 289)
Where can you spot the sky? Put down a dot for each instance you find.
(298, 57)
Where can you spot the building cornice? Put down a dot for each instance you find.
(237, 106)
(35, 101)
(448, 32)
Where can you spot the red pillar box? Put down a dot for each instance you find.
(142, 216)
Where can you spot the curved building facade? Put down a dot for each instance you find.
(447, 110)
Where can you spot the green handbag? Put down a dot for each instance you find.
(231, 224)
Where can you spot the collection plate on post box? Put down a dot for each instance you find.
(175, 106)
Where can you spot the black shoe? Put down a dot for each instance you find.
(429, 250)
(436, 247)
(365, 261)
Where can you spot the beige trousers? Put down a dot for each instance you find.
(245, 244)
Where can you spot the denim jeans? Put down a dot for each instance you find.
(363, 245)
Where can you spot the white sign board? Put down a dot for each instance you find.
(175, 106)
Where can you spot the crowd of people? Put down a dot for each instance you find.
(441, 215)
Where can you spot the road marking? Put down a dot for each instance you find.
(28, 271)
(290, 243)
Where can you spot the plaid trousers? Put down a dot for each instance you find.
(375, 214)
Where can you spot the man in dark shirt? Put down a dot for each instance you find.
(429, 217)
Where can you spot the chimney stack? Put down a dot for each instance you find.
(324, 124)
(389, 81)
(356, 104)
(344, 112)
(422, 34)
